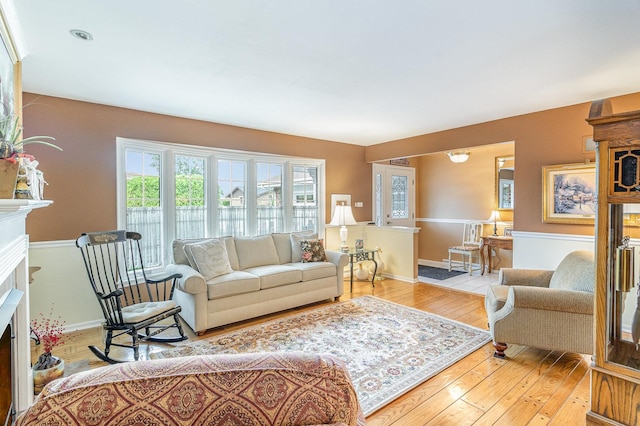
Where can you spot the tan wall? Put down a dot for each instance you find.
(82, 179)
(544, 138)
(462, 192)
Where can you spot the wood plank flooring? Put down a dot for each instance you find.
(530, 387)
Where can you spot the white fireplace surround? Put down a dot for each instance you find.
(14, 293)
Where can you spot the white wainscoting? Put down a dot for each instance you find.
(62, 279)
(62, 283)
(538, 250)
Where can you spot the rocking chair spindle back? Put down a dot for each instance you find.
(129, 299)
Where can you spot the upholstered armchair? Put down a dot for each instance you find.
(545, 309)
(259, 389)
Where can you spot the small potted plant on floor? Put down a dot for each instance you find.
(49, 334)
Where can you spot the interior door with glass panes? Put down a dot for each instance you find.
(393, 195)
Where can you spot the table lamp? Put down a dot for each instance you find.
(495, 217)
(342, 216)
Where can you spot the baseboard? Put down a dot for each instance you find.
(400, 278)
(82, 325)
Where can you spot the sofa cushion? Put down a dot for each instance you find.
(276, 275)
(237, 282)
(312, 251)
(180, 258)
(282, 241)
(315, 270)
(208, 257)
(144, 310)
(256, 251)
(575, 272)
(296, 237)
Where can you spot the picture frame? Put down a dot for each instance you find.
(569, 193)
(10, 87)
(339, 199)
(359, 245)
(508, 232)
(588, 145)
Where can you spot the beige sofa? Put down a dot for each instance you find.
(544, 309)
(219, 390)
(230, 279)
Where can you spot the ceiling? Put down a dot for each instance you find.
(354, 71)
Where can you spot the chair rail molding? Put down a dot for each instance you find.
(540, 250)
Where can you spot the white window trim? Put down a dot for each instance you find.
(167, 152)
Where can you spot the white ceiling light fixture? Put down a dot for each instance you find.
(81, 34)
(458, 156)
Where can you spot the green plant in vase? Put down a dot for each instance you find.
(11, 151)
(49, 334)
(11, 146)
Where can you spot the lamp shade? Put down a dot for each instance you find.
(342, 215)
(495, 216)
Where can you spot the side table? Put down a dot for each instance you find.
(360, 255)
(492, 241)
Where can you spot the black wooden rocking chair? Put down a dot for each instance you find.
(130, 301)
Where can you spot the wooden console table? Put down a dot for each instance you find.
(492, 241)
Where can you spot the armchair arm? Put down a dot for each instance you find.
(525, 277)
(551, 299)
(190, 280)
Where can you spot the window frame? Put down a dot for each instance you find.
(169, 151)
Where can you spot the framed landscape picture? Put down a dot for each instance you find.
(10, 87)
(569, 193)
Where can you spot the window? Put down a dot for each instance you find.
(305, 196)
(169, 191)
(144, 210)
(269, 208)
(190, 205)
(231, 197)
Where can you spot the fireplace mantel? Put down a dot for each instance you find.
(14, 293)
(16, 206)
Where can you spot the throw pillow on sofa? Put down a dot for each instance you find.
(296, 251)
(209, 257)
(312, 251)
(256, 251)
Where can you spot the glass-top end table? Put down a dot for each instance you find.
(360, 255)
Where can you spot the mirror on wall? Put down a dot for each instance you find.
(505, 168)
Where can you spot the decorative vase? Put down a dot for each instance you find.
(361, 273)
(42, 377)
(380, 267)
(8, 179)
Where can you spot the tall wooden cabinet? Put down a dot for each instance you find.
(615, 375)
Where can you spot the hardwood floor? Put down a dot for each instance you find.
(530, 387)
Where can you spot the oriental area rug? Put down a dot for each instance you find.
(389, 349)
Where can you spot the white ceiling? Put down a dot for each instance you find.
(354, 71)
